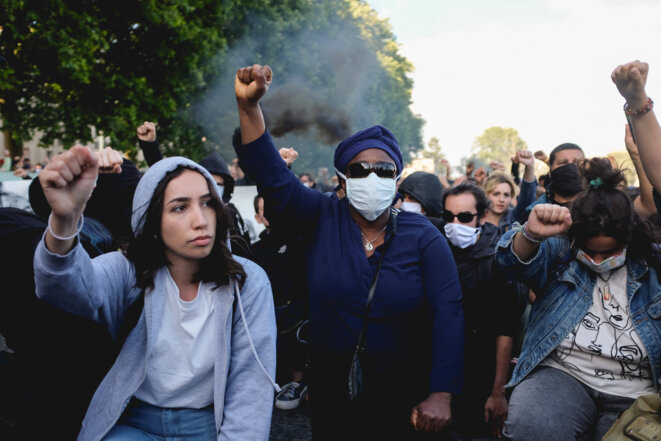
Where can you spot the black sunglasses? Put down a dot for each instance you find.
(363, 169)
(464, 217)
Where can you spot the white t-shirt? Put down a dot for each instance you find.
(604, 350)
(180, 367)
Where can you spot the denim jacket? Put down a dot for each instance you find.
(564, 295)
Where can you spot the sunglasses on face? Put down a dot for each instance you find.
(464, 217)
(363, 169)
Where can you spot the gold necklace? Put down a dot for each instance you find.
(368, 243)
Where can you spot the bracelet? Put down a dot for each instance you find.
(78, 230)
(646, 108)
(526, 234)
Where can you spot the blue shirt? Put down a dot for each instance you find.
(417, 307)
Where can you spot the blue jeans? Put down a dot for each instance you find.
(551, 405)
(144, 422)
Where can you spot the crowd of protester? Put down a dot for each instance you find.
(491, 305)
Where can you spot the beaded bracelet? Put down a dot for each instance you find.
(78, 230)
(526, 234)
(646, 108)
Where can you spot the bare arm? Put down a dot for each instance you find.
(643, 204)
(250, 85)
(630, 80)
(495, 409)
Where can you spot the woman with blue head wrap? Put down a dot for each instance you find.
(410, 336)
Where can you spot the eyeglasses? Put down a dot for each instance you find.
(464, 217)
(363, 169)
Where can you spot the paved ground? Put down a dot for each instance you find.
(294, 425)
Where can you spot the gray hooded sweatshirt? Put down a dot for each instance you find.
(102, 289)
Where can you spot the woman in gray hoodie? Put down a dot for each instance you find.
(190, 365)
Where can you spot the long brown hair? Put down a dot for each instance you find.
(147, 250)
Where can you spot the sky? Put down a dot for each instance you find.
(541, 67)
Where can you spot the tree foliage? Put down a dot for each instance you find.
(498, 144)
(113, 65)
(434, 151)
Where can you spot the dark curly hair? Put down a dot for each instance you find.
(605, 208)
(147, 250)
(481, 200)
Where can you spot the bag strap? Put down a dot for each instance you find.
(370, 295)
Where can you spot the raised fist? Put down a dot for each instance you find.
(147, 132)
(480, 175)
(548, 220)
(288, 155)
(252, 82)
(525, 157)
(68, 181)
(110, 161)
(630, 80)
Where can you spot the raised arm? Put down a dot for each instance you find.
(630, 80)
(250, 85)
(545, 220)
(149, 143)
(67, 182)
(644, 203)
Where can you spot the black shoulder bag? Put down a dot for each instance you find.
(356, 372)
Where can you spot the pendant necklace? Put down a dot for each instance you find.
(368, 243)
(606, 293)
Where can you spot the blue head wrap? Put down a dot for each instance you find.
(376, 137)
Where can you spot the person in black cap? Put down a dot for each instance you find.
(422, 193)
(386, 320)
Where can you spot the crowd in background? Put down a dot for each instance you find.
(494, 304)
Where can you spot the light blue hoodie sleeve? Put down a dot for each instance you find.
(249, 394)
(98, 289)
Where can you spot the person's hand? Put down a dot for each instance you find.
(288, 155)
(539, 154)
(548, 220)
(480, 175)
(251, 83)
(497, 165)
(68, 181)
(434, 414)
(459, 180)
(20, 172)
(630, 80)
(629, 143)
(495, 411)
(526, 158)
(110, 161)
(469, 168)
(147, 131)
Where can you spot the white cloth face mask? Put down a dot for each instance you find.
(461, 236)
(370, 196)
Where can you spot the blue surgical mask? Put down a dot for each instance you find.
(370, 196)
(221, 190)
(461, 236)
(605, 265)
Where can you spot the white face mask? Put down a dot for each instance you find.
(461, 236)
(413, 207)
(605, 265)
(370, 196)
(221, 190)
